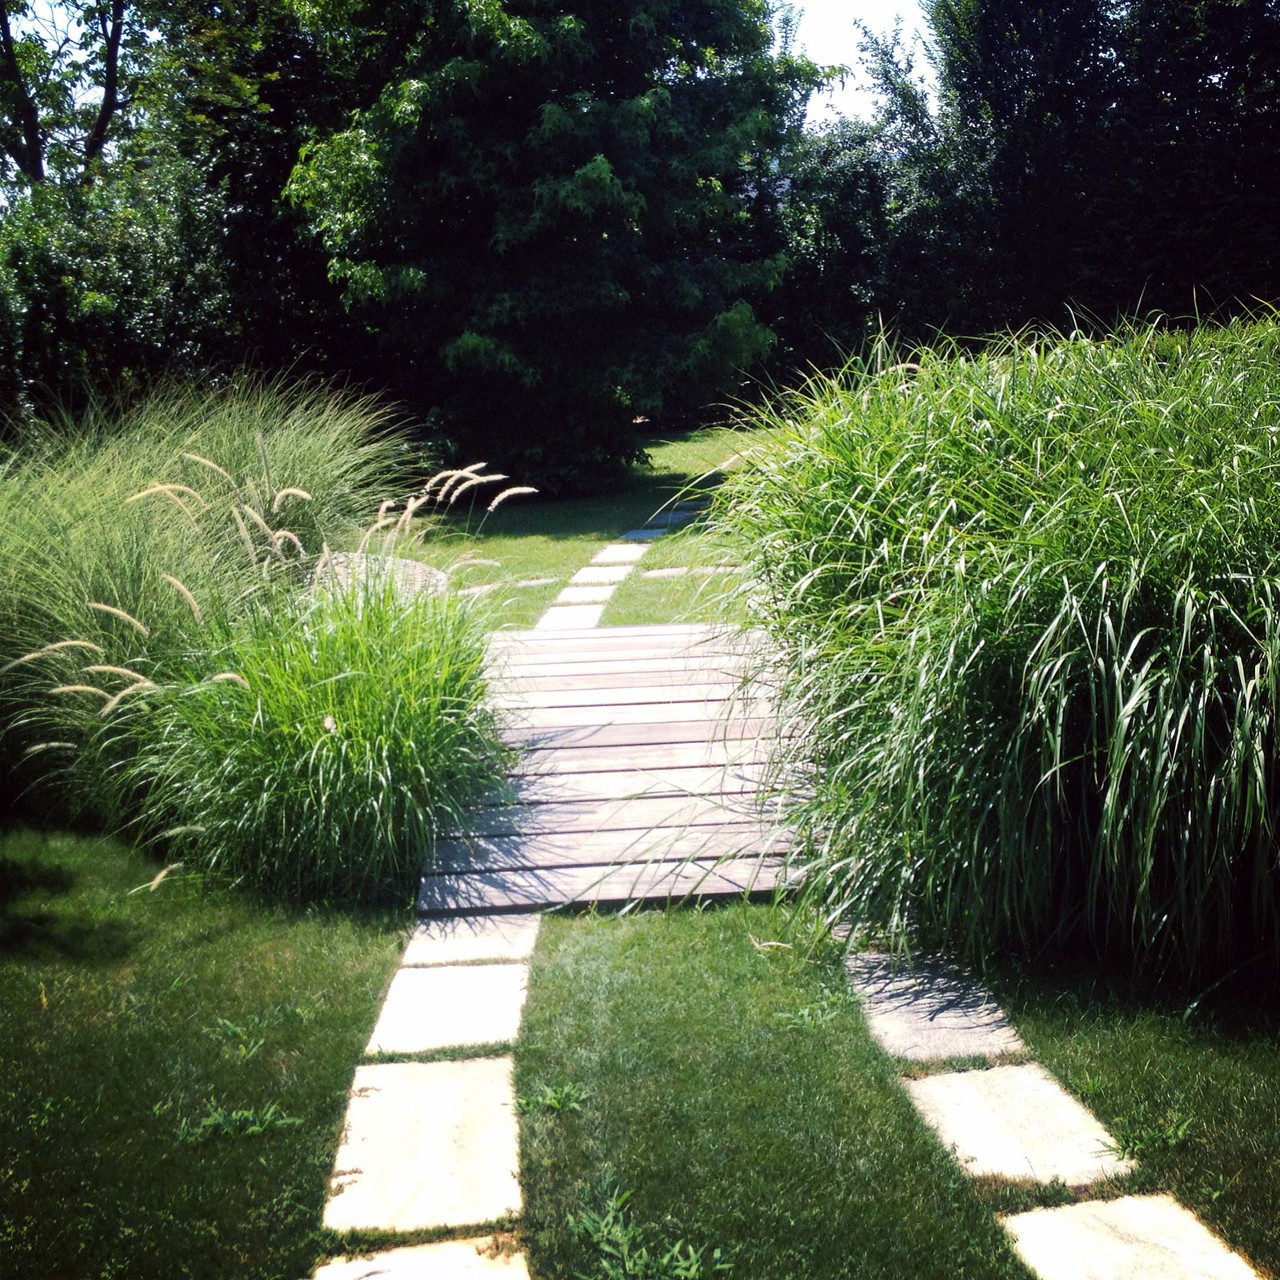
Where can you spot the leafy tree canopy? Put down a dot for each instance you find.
(557, 214)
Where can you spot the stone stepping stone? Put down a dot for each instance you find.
(450, 1006)
(569, 617)
(1133, 1238)
(930, 1012)
(1016, 1122)
(468, 939)
(620, 553)
(593, 594)
(446, 1260)
(642, 535)
(672, 519)
(676, 572)
(426, 1145)
(599, 575)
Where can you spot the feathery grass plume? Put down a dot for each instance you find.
(475, 480)
(287, 535)
(217, 470)
(142, 686)
(279, 500)
(47, 649)
(168, 491)
(114, 612)
(185, 592)
(104, 668)
(81, 688)
(1028, 616)
(37, 747)
(232, 677)
(514, 492)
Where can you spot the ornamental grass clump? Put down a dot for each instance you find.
(317, 748)
(1028, 607)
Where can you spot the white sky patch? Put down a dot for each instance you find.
(828, 35)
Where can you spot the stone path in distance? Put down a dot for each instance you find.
(1004, 1116)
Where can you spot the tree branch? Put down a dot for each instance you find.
(110, 86)
(21, 140)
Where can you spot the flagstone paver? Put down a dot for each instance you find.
(445, 1260)
(599, 574)
(620, 553)
(466, 939)
(1017, 1122)
(569, 617)
(452, 1006)
(642, 535)
(597, 593)
(427, 1145)
(927, 1011)
(1132, 1238)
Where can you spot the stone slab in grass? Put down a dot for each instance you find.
(426, 1145)
(450, 1006)
(468, 939)
(569, 617)
(445, 1260)
(1017, 1122)
(642, 535)
(676, 571)
(1135, 1237)
(594, 594)
(595, 575)
(672, 519)
(620, 553)
(930, 1011)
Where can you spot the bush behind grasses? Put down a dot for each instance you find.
(1028, 610)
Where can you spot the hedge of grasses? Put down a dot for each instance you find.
(168, 664)
(1028, 608)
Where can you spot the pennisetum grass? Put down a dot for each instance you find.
(1028, 606)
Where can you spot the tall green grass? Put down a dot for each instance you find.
(1029, 612)
(179, 656)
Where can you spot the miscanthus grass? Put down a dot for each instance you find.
(1028, 607)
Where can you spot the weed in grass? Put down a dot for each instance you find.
(248, 1122)
(1146, 1130)
(1026, 611)
(622, 1249)
(554, 1098)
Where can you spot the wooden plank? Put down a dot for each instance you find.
(507, 686)
(544, 737)
(605, 887)
(610, 815)
(625, 784)
(605, 848)
(606, 634)
(639, 695)
(669, 755)
(709, 712)
(589, 666)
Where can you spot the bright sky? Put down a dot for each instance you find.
(828, 36)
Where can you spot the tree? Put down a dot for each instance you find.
(551, 220)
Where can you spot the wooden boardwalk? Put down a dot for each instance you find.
(639, 776)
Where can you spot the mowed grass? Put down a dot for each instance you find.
(1191, 1090)
(173, 1066)
(508, 552)
(701, 1065)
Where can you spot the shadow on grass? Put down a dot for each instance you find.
(596, 518)
(43, 931)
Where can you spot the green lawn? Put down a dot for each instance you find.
(524, 540)
(701, 1065)
(1193, 1091)
(173, 1065)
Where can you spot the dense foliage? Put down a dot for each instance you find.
(556, 215)
(1027, 609)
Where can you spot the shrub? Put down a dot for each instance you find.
(1028, 616)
